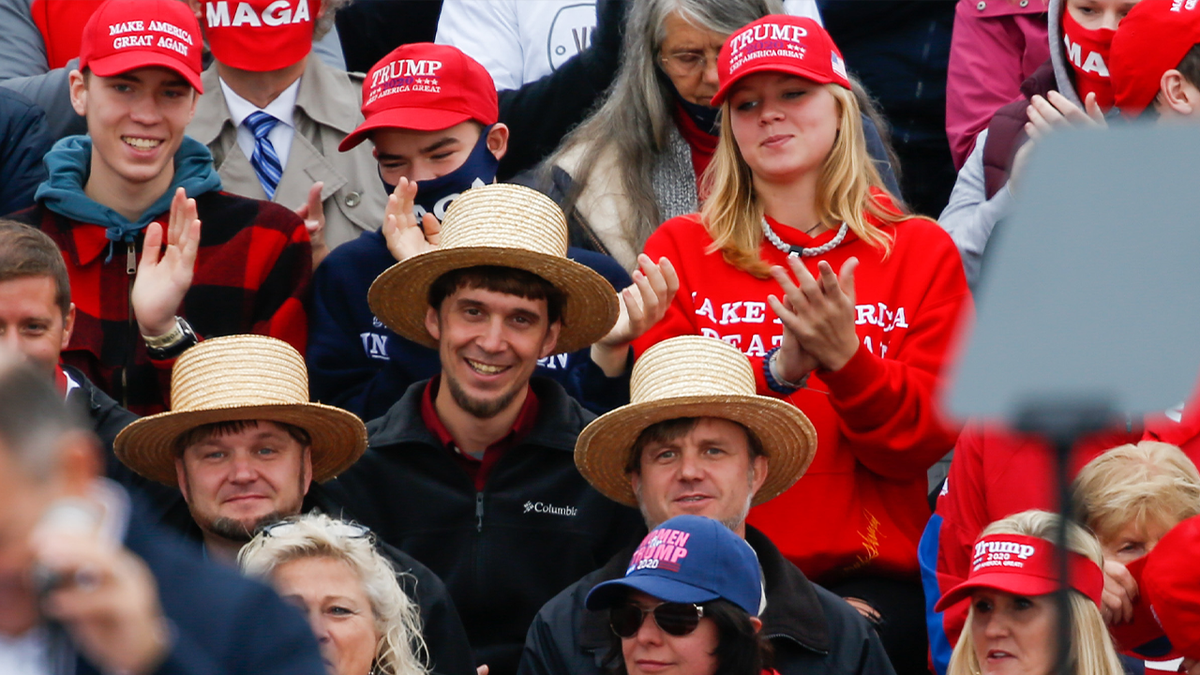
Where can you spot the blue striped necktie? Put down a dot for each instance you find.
(264, 160)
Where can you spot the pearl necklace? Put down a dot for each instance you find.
(800, 250)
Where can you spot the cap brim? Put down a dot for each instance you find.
(768, 67)
(1017, 584)
(400, 296)
(607, 594)
(123, 62)
(787, 436)
(417, 119)
(1142, 637)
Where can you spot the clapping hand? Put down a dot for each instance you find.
(313, 214)
(818, 318)
(642, 304)
(165, 275)
(400, 229)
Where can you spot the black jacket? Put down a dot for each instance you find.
(811, 629)
(535, 528)
(24, 140)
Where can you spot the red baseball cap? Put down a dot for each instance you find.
(1152, 39)
(1026, 566)
(425, 87)
(124, 35)
(779, 43)
(260, 35)
(1166, 619)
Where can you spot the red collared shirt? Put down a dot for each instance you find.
(477, 469)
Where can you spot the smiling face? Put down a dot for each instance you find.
(688, 56)
(1134, 540)
(1093, 14)
(234, 482)
(785, 126)
(1013, 634)
(31, 322)
(489, 344)
(136, 122)
(653, 651)
(707, 471)
(331, 596)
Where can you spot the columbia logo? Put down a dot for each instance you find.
(541, 507)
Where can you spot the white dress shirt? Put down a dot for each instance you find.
(281, 109)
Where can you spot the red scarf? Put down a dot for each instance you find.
(1087, 52)
(702, 143)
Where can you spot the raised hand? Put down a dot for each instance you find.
(819, 315)
(643, 304)
(313, 214)
(1120, 591)
(1056, 111)
(404, 237)
(164, 275)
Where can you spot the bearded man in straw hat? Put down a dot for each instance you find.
(244, 446)
(698, 440)
(471, 472)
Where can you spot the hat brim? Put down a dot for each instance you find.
(769, 67)
(339, 437)
(123, 62)
(417, 119)
(1006, 581)
(607, 594)
(400, 296)
(787, 436)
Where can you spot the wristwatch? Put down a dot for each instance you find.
(173, 343)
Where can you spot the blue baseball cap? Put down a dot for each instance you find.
(688, 559)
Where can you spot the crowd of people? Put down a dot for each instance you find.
(574, 339)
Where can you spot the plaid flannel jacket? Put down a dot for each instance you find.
(252, 276)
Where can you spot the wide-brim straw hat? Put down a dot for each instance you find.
(694, 376)
(241, 377)
(501, 225)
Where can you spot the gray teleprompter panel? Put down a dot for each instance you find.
(1092, 287)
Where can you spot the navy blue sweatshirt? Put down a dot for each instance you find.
(357, 363)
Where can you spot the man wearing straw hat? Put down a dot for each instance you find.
(244, 446)
(698, 440)
(472, 472)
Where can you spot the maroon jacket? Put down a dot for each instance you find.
(1006, 131)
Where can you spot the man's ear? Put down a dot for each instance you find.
(433, 323)
(756, 623)
(551, 340)
(306, 471)
(497, 140)
(181, 478)
(1176, 96)
(68, 327)
(761, 468)
(77, 87)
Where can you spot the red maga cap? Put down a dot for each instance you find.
(125, 35)
(1152, 39)
(1168, 603)
(425, 87)
(779, 43)
(1026, 566)
(260, 35)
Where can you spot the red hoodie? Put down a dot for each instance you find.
(862, 505)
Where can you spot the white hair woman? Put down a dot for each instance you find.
(363, 621)
(1013, 619)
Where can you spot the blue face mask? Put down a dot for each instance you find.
(703, 116)
(435, 195)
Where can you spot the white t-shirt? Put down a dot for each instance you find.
(521, 41)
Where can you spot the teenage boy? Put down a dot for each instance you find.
(434, 138)
(135, 183)
(471, 472)
(1155, 60)
(274, 113)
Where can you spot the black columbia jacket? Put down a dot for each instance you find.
(536, 527)
(811, 629)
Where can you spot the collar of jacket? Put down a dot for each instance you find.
(314, 99)
(793, 610)
(560, 419)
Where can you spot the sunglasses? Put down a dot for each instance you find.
(340, 529)
(674, 618)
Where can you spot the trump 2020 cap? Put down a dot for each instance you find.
(780, 44)
(125, 35)
(425, 87)
(260, 35)
(688, 559)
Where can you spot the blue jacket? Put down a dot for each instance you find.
(357, 363)
(24, 140)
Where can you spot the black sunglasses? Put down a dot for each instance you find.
(674, 618)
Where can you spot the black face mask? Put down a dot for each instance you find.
(435, 195)
(704, 117)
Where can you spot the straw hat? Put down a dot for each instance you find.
(241, 377)
(694, 376)
(507, 226)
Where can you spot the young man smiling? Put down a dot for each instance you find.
(136, 182)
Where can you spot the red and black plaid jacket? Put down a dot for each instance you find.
(252, 276)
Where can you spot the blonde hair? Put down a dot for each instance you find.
(1150, 482)
(1092, 651)
(732, 212)
(401, 648)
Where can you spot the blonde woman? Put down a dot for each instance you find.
(1013, 616)
(363, 621)
(793, 192)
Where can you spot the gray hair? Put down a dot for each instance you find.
(33, 417)
(634, 121)
(401, 649)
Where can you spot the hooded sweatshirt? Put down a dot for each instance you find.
(251, 274)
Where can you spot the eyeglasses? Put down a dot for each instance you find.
(684, 64)
(340, 529)
(674, 618)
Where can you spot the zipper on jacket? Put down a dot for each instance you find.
(130, 271)
(479, 512)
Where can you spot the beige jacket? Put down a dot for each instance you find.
(327, 108)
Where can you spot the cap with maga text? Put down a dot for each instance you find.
(1152, 39)
(260, 35)
(124, 35)
(780, 44)
(1024, 565)
(425, 87)
(688, 559)
(1166, 613)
